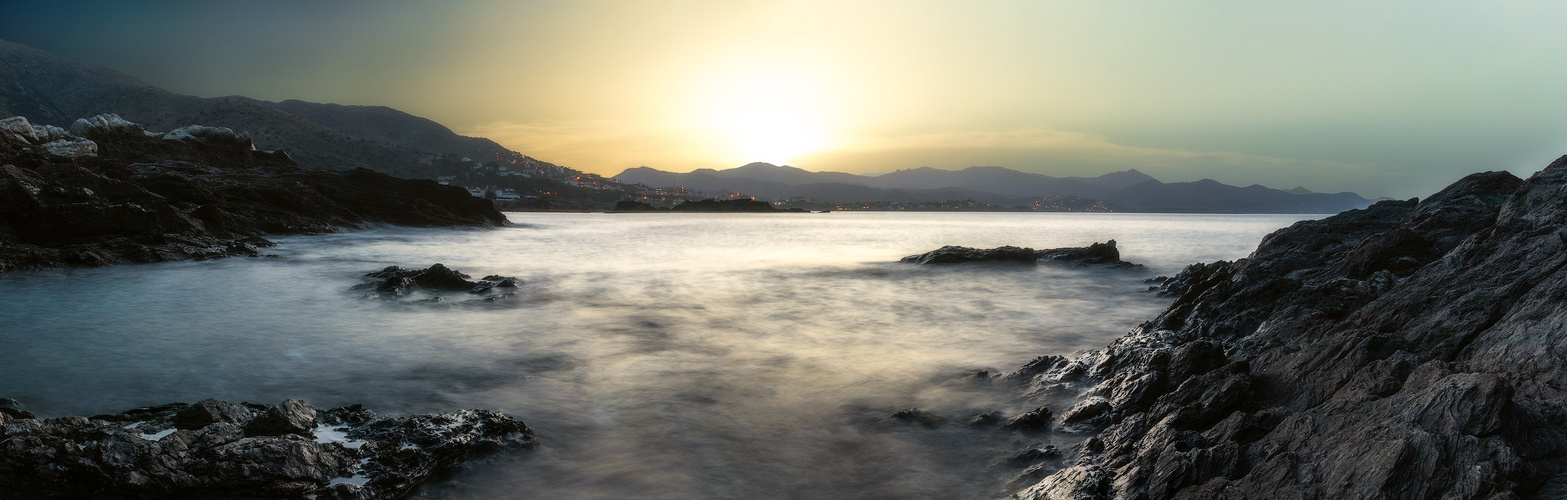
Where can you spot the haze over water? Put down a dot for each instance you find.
(656, 355)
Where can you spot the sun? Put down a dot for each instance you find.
(768, 119)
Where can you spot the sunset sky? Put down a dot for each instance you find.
(1387, 98)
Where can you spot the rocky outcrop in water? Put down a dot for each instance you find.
(1104, 254)
(108, 191)
(217, 449)
(735, 205)
(1407, 350)
(395, 282)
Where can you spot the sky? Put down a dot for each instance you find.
(1391, 98)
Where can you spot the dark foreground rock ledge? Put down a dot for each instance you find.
(216, 449)
(1407, 350)
(108, 191)
(1102, 254)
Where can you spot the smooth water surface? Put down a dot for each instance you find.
(656, 355)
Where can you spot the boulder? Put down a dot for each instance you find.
(1104, 254)
(160, 452)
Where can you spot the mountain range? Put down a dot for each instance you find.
(1128, 190)
(50, 90)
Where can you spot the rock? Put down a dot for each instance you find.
(289, 417)
(140, 454)
(72, 148)
(1037, 419)
(19, 126)
(1032, 455)
(1407, 350)
(1095, 254)
(395, 282)
(210, 411)
(917, 416)
(986, 419)
(109, 192)
(633, 206)
(735, 205)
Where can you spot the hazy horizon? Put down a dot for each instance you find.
(1394, 99)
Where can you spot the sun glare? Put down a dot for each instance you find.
(768, 119)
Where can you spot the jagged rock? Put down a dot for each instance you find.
(72, 148)
(1037, 419)
(109, 192)
(289, 417)
(145, 453)
(210, 411)
(1407, 350)
(1095, 254)
(106, 126)
(396, 281)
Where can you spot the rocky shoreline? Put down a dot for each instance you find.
(1407, 350)
(218, 449)
(107, 191)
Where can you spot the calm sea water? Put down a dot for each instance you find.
(656, 355)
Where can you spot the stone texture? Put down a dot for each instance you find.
(160, 452)
(1408, 350)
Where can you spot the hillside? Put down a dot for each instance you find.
(49, 90)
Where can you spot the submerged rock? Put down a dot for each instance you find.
(1407, 350)
(1104, 254)
(166, 452)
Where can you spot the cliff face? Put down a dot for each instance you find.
(1408, 350)
(109, 191)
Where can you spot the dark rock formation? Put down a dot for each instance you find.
(1407, 350)
(633, 206)
(1095, 254)
(396, 282)
(167, 452)
(735, 205)
(108, 191)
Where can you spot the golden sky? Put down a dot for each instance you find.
(1382, 98)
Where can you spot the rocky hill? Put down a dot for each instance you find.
(1407, 350)
(49, 90)
(109, 191)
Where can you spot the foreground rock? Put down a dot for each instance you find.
(1407, 350)
(1101, 254)
(106, 191)
(217, 449)
(395, 282)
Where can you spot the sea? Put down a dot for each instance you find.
(654, 355)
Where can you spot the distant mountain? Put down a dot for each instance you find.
(54, 91)
(1128, 190)
(1299, 190)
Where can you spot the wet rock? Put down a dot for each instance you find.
(1037, 419)
(987, 419)
(142, 453)
(210, 411)
(396, 281)
(1407, 350)
(1088, 414)
(1033, 455)
(289, 417)
(1096, 254)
